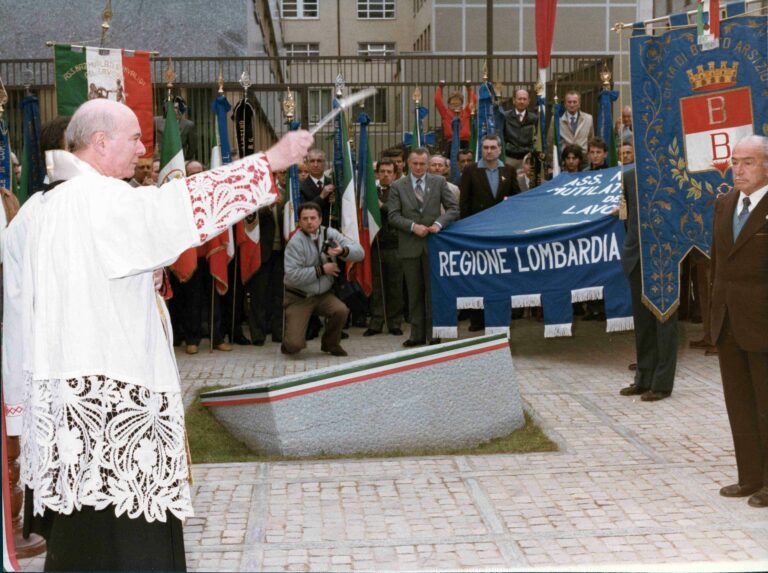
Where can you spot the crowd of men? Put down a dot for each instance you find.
(405, 178)
(417, 196)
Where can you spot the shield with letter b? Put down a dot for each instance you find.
(715, 120)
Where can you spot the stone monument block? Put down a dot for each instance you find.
(451, 395)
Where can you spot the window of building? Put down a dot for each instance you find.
(300, 8)
(375, 49)
(424, 42)
(375, 9)
(375, 106)
(320, 103)
(297, 50)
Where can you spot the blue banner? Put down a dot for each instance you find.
(605, 130)
(33, 164)
(5, 158)
(420, 139)
(364, 120)
(542, 106)
(690, 107)
(485, 115)
(220, 108)
(551, 246)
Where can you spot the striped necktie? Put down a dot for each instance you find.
(419, 191)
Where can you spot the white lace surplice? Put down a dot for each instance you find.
(103, 422)
(93, 441)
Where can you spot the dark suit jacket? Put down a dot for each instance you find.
(630, 251)
(267, 229)
(404, 210)
(518, 137)
(476, 193)
(740, 275)
(309, 192)
(188, 133)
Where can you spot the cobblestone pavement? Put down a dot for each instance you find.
(634, 484)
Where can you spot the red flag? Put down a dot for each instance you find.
(247, 238)
(361, 272)
(714, 18)
(545, 29)
(186, 265)
(215, 252)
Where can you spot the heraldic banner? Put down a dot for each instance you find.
(690, 107)
(84, 73)
(551, 246)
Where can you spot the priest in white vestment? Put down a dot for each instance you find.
(104, 457)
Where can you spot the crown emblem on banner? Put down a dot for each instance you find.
(712, 77)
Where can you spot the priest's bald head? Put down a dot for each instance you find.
(106, 134)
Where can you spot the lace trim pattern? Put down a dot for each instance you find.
(221, 197)
(94, 441)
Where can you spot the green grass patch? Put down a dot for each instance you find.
(210, 442)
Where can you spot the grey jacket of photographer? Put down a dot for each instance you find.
(303, 256)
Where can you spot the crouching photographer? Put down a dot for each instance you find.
(310, 272)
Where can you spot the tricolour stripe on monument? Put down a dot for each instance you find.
(358, 374)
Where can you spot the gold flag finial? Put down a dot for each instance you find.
(169, 75)
(221, 80)
(538, 87)
(289, 105)
(106, 18)
(497, 87)
(605, 76)
(416, 97)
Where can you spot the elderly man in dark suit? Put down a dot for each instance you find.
(317, 187)
(485, 184)
(655, 341)
(739, 314)
(414, 210)
(520, 128)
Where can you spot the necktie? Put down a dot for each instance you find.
(742, 218)
(320, 185)
(520, 116)
(419, 191)
(574, 119)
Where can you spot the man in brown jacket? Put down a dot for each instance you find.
(739, 314)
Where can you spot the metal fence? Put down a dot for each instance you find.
(312, 81)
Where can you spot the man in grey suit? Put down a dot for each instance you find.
(655, 341)
(576, 126)
(414, 210)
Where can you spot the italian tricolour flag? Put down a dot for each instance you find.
(84, 73)
(346, 191)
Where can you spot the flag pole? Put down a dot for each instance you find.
(213, 294)
(217, 135)
(106, 17)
